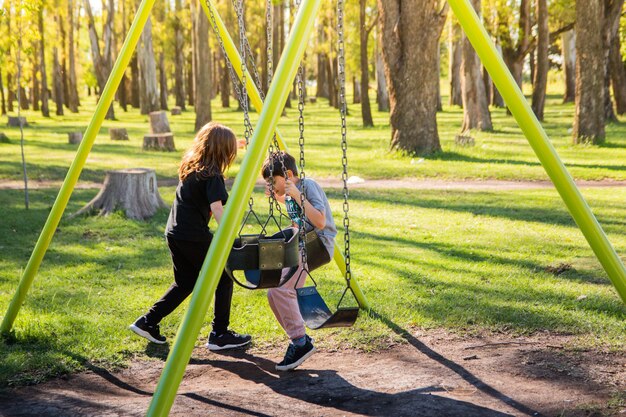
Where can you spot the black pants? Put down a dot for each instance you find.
(188, 258)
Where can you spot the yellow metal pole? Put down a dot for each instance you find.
(242, 189)
(58, 208)
(257, 102)
(540, 143)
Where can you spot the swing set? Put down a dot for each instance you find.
(260, 140)
(263, 258)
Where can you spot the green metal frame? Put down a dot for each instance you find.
(108, 93)
(540, 143)
(242, 189)
(257, 102)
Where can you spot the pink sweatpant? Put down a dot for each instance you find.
(284, 303)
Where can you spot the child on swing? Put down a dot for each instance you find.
(283, 300)
(200, 194)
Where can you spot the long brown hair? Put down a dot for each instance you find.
(213, 150)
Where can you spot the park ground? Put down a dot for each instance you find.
(487, 298)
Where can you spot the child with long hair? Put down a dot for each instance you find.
(200, 194)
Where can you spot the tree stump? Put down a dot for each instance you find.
(132, 190)
(4, 138)
(313, 99)
(118, 133)
(464, 139)
(158, 122)
(159, 141)
(75, 138)
(15, 121)
(176, 111)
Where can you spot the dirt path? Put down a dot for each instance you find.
(434, 374)
(415, 184)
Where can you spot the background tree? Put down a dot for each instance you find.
(102, 62)
(202, 73)
(45, 109)
(540, 82)
(455, 49)
(365, 27)
(410, 35)
(179, 61)
(590, 113)
(72, 99)
(148, 91)
(476, 113)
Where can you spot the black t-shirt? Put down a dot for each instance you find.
(191, 211)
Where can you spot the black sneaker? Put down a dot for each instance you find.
(296, 355)
(152, 333)
(227, 340)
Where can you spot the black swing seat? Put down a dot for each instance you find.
(316, 313)
(263, 258)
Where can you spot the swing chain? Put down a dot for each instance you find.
(300, 87)
(341, 62)
(269, 26)
(243, 99)
(246, 51)
(229, 65)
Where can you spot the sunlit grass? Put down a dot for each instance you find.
(464, 261)
(501, 154)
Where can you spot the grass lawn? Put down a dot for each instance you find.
(465, 261)
(502, 154)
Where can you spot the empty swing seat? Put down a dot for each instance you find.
(263, 258)
(316, 313)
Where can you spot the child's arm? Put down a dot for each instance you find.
(315, 216)
(217, 209)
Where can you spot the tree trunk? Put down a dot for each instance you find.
(410, 35)
(23, 99)
(514, 52)
(456, 56)
(590, 113)
(224, 80)
(35, 91)
(57, 82)
(618, 75)
(4, 106)
(190, 93)
(159, 122)
(382, 94)
(163, 82)
(102, 62)
(332, 86)
(475, 106)
(356, 91)
(488, 84)
(202, 72)
(366, 111)
(179, 61)
(45, 110)
(612, 15)
(63, 60)
(149, 95)
(540, 83)
(568, 42)
(9, 57)
(134, 82)
(496, 97)
(134, 191)
(72, 99)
